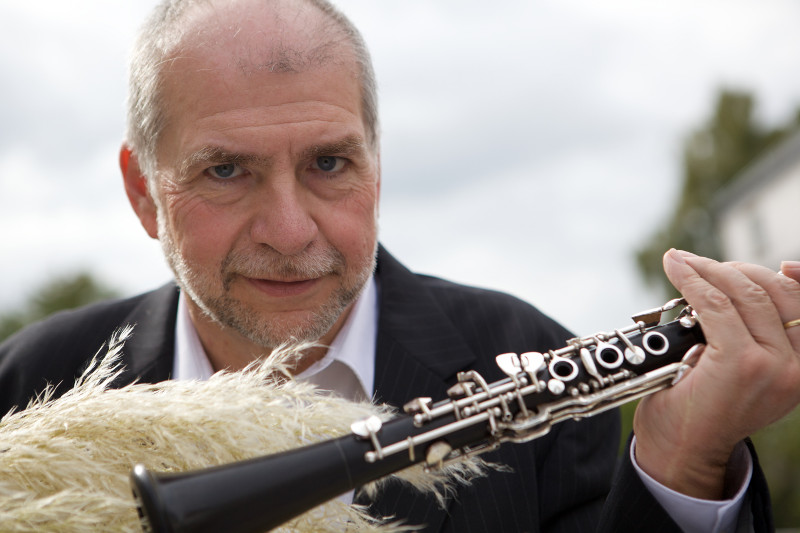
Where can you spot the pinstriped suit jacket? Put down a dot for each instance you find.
(429, 329)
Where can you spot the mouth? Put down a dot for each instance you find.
(283, 289)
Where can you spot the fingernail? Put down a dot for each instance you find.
(676, 256)
(790, 265)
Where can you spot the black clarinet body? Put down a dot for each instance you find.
(588, 376)
(232, 497)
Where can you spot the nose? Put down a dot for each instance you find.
(283, 216)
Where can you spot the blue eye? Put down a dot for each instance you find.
(225, 171)
(329, 163)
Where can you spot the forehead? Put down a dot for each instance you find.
(258, 69)
(277, 36)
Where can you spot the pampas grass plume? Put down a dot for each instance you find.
(65, 462)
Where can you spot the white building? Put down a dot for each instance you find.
(758, 215)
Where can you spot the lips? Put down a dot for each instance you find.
(283, 289)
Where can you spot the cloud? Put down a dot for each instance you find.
(528, 146)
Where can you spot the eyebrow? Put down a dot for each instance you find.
(217, 154)
(351, 145)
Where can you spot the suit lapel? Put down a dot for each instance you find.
(419, 352)
(148, 353)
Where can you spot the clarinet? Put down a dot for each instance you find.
(586, 377)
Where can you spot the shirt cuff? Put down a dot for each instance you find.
(695, 515)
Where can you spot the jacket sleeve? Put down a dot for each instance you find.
(630, 507)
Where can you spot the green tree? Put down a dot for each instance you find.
(712, 156)
(66, 292)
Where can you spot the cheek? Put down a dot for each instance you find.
(203, 233)
(352, 228)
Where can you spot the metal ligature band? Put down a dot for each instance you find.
(586, 377)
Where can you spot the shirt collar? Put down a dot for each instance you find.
(353, 347)
(190, 360)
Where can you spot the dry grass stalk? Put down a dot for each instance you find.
(65, 463)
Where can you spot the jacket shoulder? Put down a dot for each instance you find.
(489, 321)
(477, 310)
(58, 348)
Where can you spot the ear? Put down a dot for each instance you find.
(137, 191)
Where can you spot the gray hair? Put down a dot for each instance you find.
(162, 32)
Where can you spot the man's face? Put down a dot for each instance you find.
(267, 194)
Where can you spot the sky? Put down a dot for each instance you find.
(530, 147)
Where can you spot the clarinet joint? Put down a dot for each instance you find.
(586, 377)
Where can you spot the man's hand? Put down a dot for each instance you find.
(747, 377)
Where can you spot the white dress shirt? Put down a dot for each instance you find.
(694, 514)
(348, 369)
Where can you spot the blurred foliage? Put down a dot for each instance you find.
(778, 448)
(626, 411)
(713, 155)
(66, 292)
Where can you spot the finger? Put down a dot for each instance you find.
(791, 269)
(783, 290)
(745, 352)
(762, 299)
(749, 294)
(785, 294)
(751, 299)
(720, 319)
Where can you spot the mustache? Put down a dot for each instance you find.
(266, 263)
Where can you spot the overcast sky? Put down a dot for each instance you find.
(529, 147)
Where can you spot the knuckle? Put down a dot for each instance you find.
(753, 294)
(718, 299)
(789, 286)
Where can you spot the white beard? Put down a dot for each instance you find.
(220, 307)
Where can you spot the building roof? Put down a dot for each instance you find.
(759, 173)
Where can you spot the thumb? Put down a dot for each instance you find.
(676, 269)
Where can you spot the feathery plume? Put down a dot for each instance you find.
(65, 462)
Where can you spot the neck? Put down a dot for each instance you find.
(228, 349)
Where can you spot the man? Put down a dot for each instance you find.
(252, 155)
